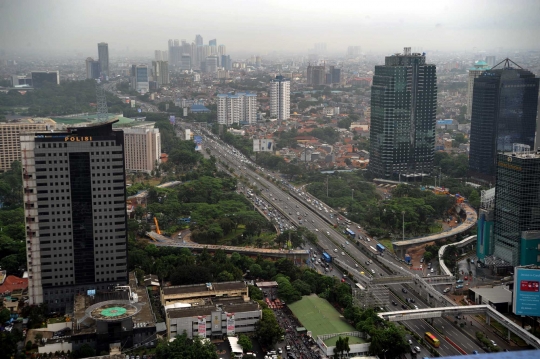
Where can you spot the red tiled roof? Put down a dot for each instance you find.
(13, 283)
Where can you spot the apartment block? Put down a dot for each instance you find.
(142, 148)
(241, 107)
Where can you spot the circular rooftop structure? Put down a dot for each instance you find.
(112, 310)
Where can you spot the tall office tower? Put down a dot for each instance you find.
(353, 51)
(320, 48)
(403, 109)
(139, 80)
(185, 62)
(158, 55)
(176, 42)
(75, 212)
(490, 60)
(142, 148)
(258, 61)
(212, 64)
(222, 50)
(316, 75)
(198, 40)
(335, 75)
(160, 70)
(212, 42)
(93, 69)
(10, 133)
(103, 53)
(241, 107)
(280, 98)
(193, 54)
(474, 72)
(169, 49)
(226, 62)
(186, 48)
(504, 106)
(516, 229)
(39, 78)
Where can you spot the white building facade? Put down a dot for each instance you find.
(280, 98)
(241, 107)
(142, 148)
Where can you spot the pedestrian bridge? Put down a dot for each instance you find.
(487, 310)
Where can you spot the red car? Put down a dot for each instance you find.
(342, 280)
(465, 278)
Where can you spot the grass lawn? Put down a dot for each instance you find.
(387, 242)
(319, 317)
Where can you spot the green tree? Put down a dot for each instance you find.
(245, 343)
(84, 351)
(255, 293)
(184, 348)
(267, 330)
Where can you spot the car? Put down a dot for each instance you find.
(356, 265)
(335, 250)
(446, 290)
(327, 233)
(403, 306)
(459, 281)
(459, 286)
(404, 290)
(316, 230)
(493, 343)
(415, 307)
(465, 278)
(421, 266)
(342, 280)
(342, 253)
(432, 270)
(412, 300)
(394, 303)
(280, 351)
(358, 227)
(475, 352)
(417, 349)
(373, 271)
(422, 260)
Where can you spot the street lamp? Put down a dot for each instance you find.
(403, 224)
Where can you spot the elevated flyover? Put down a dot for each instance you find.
(486, 310)
(400, 247)
(295, 255)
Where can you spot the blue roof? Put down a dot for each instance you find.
(445, 122)
(199, 108)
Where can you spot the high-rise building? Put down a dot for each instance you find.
(142, 148)
(258, 61)
(504, 107)
(160, 70)
(158, 56)
(490, 60)
(226, 62)
(403, 110)
(93, 68)
(212, 64)
(75, 212)
(185, 63)
(222, 50)
(474, 72)
(198, 40)
(335, 75)
(103, 53)
(39, 78)
(353, 51)
(139, 79)
(316, 75)
(10, 133)
(241, 107)
(516, 229)
(212, 42)
(280, 98)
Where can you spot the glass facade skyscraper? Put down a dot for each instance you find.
(516, 230)
(403, 109)
(505, 101)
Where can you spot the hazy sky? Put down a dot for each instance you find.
(259, 26)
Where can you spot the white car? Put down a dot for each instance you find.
(335, 250)
(316, 230)
(342, 253)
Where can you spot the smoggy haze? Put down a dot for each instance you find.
(263, 26)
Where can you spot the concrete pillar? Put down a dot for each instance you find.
(509, 332)
(487, 318)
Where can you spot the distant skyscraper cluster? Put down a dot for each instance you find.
(403, 110)
(353, 51)
(280, 98)
(317, 75)
(195, 55)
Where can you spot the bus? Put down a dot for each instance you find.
(431, 339)
(350, 233)
(360, 286)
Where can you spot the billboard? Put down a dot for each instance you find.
(132, 103)
(201, 326)
(264, 145)
(526, 298)
(172, 119)
(230, 324)
(198, 142)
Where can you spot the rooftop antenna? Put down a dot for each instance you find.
(102, 111)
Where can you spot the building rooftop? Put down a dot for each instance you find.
(207, 287)
(498, 294)
(208, 309)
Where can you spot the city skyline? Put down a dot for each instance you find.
(432, 26)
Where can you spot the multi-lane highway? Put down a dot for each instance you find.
(338, 245)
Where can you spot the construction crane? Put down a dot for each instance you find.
(102, 111)
(157, 226)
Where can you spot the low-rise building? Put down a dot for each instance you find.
(196, 294)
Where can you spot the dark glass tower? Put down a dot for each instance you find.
(403, 109)
(75, 212)
(504, 106)
(516, 230)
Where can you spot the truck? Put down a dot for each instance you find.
(327, 257)
(380, 248)
(407, 259)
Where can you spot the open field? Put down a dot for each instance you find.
(319, 317)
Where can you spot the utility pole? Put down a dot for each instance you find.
(403, 224)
